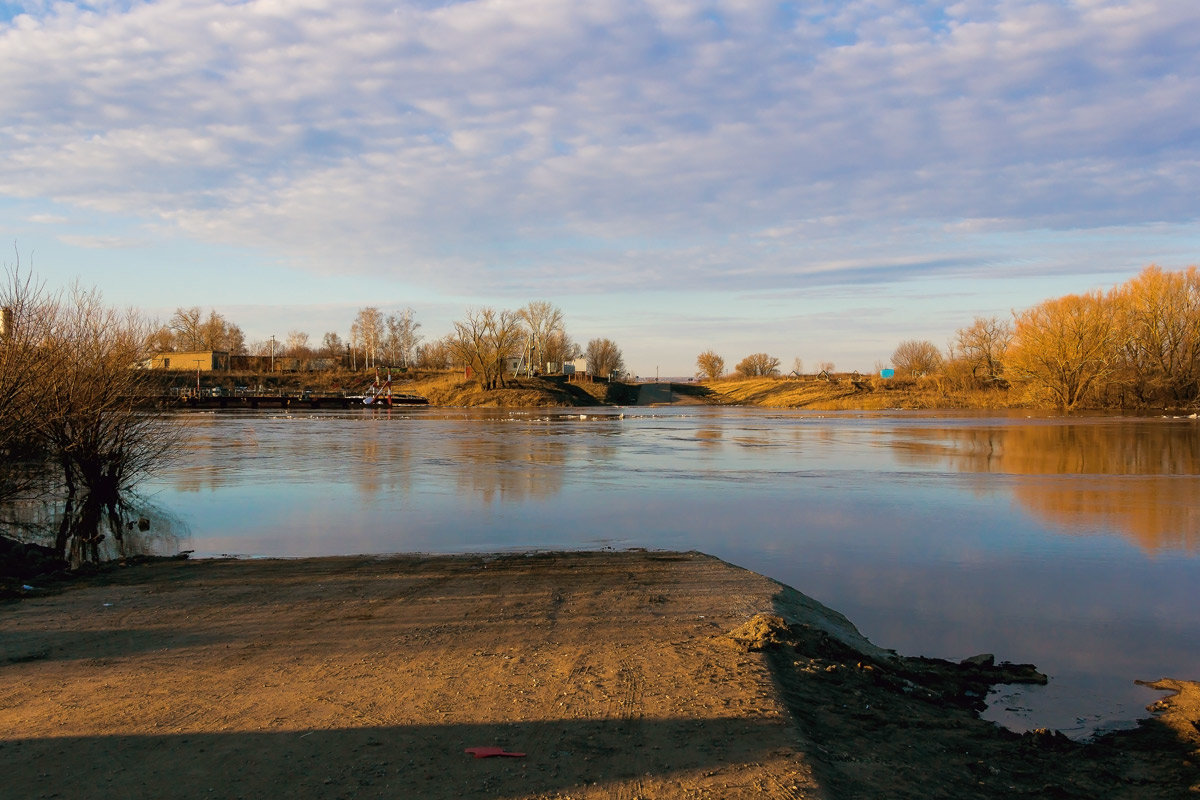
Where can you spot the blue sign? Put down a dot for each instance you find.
(887, 373)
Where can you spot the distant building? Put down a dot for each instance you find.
(201, 360)
(576, 370)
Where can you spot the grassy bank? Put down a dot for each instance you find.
(846, 393)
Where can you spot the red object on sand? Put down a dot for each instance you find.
(489, 752)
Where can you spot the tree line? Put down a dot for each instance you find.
(485, 341)
(1136, 345)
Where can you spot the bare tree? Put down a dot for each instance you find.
(189, 330)
(543, 320)
(604, 358)
(484, 340)
(264, 347)
(402, 338)
(297, 345)
(235, 340)
(218, 333)
(983, 346)
(332, 345)
(161, 340)
(559, 348)
(437, 354)
(916, 357)
(758, 365)
(355, 345)
(90, 420)
(185, 324)
(711, 365)
(25, 310)
(366, 333)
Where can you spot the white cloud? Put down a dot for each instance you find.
(47, 219)
(101, 242)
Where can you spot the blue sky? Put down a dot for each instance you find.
(811, 179)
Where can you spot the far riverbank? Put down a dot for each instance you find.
(842, 392)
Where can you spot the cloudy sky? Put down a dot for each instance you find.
(815, 179)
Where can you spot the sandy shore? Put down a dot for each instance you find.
(623, 675)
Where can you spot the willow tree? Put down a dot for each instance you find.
(1063, 348)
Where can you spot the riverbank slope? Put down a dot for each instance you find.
(441, 388)
(850, 393)
(629, 675)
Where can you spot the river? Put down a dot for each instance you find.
(1070, 543)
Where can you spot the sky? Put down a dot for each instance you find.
(817, 180)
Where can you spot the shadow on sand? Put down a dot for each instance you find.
(392, 762)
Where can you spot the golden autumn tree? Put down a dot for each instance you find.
(711, 365)
(1158, 341)
(1063, 348)
(758, 365)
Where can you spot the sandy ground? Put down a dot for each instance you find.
(622, 675)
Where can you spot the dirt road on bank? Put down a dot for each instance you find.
(615, 674)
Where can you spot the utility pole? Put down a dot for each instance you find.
(272, 354)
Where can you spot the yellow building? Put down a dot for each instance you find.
(202, 360)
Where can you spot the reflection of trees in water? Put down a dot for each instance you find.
(213, 456)
(511, 464)
(1140, 478)
(164, 533)
(221, 453)
(1157, 513)
(379, 464)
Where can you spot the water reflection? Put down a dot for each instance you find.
(1140, 478)
(510, 463)
(163, 533)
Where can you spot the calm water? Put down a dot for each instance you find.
(1071, 544)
